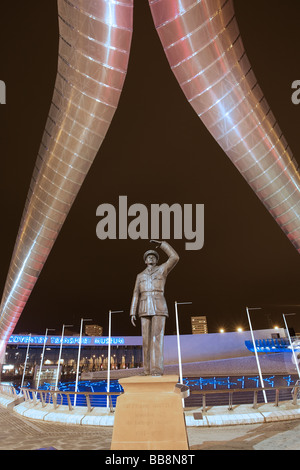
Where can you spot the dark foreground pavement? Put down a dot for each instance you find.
(18, 433)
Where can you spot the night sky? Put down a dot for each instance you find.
(156, 151)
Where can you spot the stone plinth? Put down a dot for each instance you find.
(149, 415)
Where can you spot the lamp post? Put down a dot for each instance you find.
(25, 363)
(255, 351)
(42, 356)
(178, 338)
(178, 341)
(290, 340)
(109, 352)
(60, 351)
(78, 358)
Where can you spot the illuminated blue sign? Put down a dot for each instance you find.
(67, 340)
(100, 340)
(71, 340)
(24, 339)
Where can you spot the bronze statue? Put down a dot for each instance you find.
(150, 304)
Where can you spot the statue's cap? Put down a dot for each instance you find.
(151, 252)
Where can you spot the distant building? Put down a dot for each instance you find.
(93, 330)
(199, 325)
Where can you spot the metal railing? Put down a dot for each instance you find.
(255, 391)
(91, 400)
(8, 390)
(58, 397)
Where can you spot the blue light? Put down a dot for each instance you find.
(194, 383)
(39, 340)
(289, 380)
(67, 340)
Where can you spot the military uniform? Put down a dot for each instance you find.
(150, 304)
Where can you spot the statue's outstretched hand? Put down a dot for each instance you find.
(133, 318)
(158, 243)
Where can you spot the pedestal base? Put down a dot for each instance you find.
(149, 415)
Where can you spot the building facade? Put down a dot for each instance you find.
(126, 352)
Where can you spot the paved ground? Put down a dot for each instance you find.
(271, 436)
(18, 433)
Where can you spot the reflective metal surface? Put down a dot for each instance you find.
(203, 45)
(95, 38)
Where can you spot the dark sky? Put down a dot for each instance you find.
(156, 150)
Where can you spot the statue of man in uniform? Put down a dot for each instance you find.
(150, 304)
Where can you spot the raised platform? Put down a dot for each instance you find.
(215, 416)
(149, 415)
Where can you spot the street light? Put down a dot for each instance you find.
(78, 358)
(60, 350)
(178, 341)
(290, 340)
(255, 351)
(42, 356)
(109, 352)
(25, 364)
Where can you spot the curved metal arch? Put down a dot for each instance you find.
(203, 45)
(94, 45)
